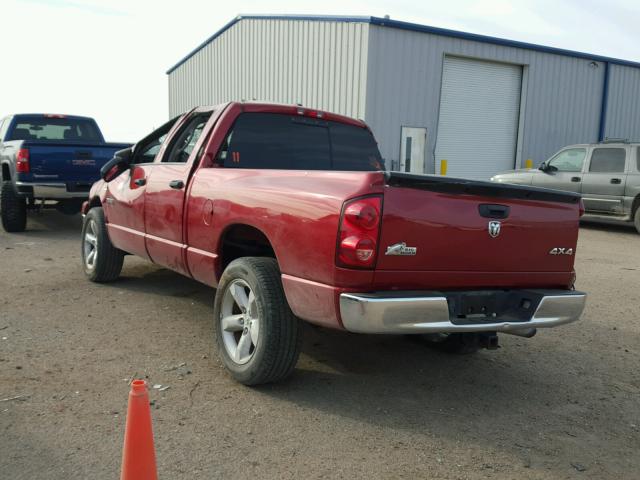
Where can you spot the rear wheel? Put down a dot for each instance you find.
(13, 209)
(102, 262)
(258, 335)
(636, 219)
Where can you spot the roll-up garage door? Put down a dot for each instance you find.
(479, 113)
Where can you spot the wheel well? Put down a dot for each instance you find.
(243, 241)
(94, 202)
(6, 174)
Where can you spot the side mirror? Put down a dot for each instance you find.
(118, 164)
(546, 168)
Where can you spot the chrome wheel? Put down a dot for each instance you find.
(239, 321)
(90, 245)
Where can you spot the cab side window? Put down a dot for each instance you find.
(638, 159)
(608, 160)
(570, 160)
(186, 140)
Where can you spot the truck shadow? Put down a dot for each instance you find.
(395, 383)
(51, 224)
(627, 229)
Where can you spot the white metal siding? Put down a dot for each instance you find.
(393, 77)
(320, 64)
(478, 125)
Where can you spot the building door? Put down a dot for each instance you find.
(479, 116)
(413, 144)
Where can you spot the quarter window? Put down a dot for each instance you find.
(570, 160)
(147, 148)
(638, 159)
(607, 160)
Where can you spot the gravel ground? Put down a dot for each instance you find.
(565, 404)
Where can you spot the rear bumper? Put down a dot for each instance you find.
(436, 312)
(49, 191)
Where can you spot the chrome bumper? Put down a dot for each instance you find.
(52, 191)
(430, 313)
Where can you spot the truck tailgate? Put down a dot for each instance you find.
(69, 161)
(447, 221)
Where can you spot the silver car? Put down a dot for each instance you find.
(606, 174)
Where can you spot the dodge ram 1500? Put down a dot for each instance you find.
(289, 213)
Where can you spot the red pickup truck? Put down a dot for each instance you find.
(290, 214)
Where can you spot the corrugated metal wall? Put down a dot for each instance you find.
(392, 77)
(561, 95)
(623, 107)
(321, 64)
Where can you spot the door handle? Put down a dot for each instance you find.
(575, 179)
(616, 181)
(140, 182)
(176, 184)
(493, 211)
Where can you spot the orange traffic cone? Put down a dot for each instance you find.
(138, 454)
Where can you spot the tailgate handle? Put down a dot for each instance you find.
(488, 210)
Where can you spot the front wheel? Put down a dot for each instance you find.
(102, 262)
(13, 209)
(636, 219)
(258, 335)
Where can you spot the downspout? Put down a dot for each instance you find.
(604, 104)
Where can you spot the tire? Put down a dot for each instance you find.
(636, 219)
(105, 264)
(13, 209)
(254, 283)
(454, 343)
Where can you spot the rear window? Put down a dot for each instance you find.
(607, 160)
(276, 141)
(59, 129)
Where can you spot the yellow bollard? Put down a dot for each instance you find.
(528, 163)
(443, 167)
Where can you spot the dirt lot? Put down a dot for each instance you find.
(565, 404)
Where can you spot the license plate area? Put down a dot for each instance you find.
(491, 306)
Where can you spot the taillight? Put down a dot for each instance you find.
(581, 207)
(358, 234)
(22, 160)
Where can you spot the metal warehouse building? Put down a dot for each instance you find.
(483, 104)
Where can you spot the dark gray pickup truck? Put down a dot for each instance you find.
(607, 175)
(48, 160)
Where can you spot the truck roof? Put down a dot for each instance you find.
(289, 109)
(606, 143)
(51, 115)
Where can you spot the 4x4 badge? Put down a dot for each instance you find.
(494, 229)
(400, 249)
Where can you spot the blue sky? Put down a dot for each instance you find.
(108, 59)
